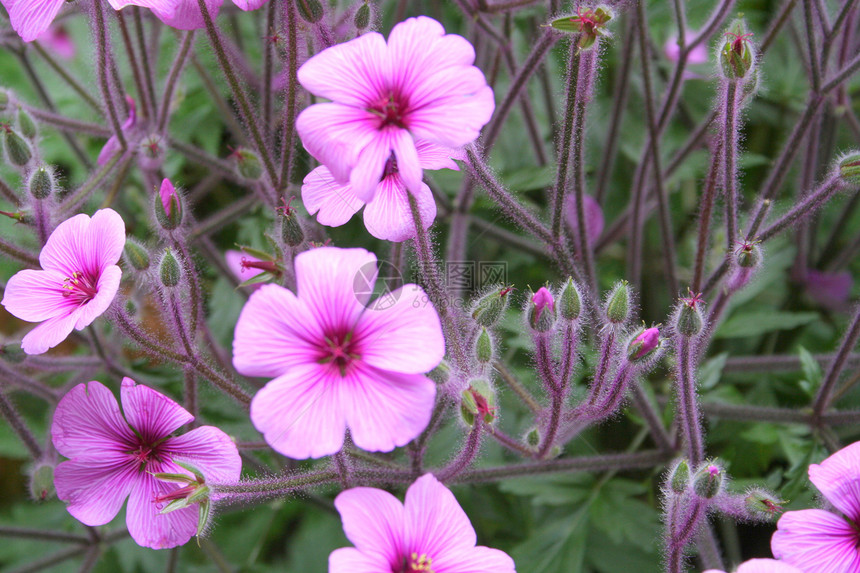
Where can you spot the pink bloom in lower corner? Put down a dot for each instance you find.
(387, 215)
(112, 146)
(386, 96)
(31, 18)
(337, 361)
(820, 541)
(428, 532)
(78, 281)
(113, 458)
(762, 566)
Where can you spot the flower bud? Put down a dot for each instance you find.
(541, 310)
(152, 153)
(644, 345)
(708, 480)
(532, 437)
(762, 504)
(570, 303)
(490, 307)
(849, 168)
(589, 23)
(736, 56)
(679, 477)
(248, 163)
(168, 206)
(362, 16)
(42, 481)
(4, 99)
(311, 11)
(291, 229)
(41, 183)
(17, 148)
(136, 255)
(27, 125)
(12, 353)
(618, 305)
(689, 321)
(193, 490)
(168, 270)
(441, 373)
(478, 401)
(484, 347)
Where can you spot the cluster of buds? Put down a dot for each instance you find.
(589, 23)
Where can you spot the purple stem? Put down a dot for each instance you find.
(688, 407)
(806, 207)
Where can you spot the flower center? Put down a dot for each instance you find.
(80, 288)
(144, 454)
(390, 109)
(415, 564)
(339, 350)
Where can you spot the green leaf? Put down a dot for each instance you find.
(754, 323)
(711, 371)
(558, 546)
(811, 371)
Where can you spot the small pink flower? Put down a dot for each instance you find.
(387, 215)
(698, 55)
(338, 363)
(819, 541)
(421, 85)
(762, 566)
(542, 300)
(645, 342)
(428, 532)
(57, 39)
(112, 146)
(77, 283)
(113, 458)
(594, 221)
(31, 18)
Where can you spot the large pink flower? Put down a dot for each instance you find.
(429, 532)
(30, 18)
(387, 215)
(761, 566)
(420, 85)
(819, 541)
(338, 363)
(77, 283)
(113, 458)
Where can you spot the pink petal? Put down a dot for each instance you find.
(405, 336)
(248, 5)
(838, 478)
(373, 521)
(49, 334)
(179, 14)
(152, 415)
(146, 525)
(766, 566)
(816, 541)
(35, 296)
(418, 48)
(275, 332)
(370, 165)
(388, 216)
(107, 286)
(301, 413)
(30, 18)
(87, 423)
(210, 450)
(332, 284)
(384, 409)
(335, 201)
(96, 487)
(474, 560)
(454, 115)
(353, 73)
(436, 523)
(335, 134)
(408, 164)
(85, 245)
(351, 560)
(432, 156)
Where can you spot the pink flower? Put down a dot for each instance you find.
(698, 55)
(594, 221)
(429, 532)
(30, 18)
(77, 283)
(387, 215)
(819, 541)
(179, 14)
(336, 362)
(421, 85)
(112, 146)
(113, 458)
(542, 299)
(57, 39)
(762, 566)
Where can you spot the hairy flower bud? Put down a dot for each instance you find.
(168, 206)
(484, 347)
(310, 10)
(618, 304)
(248, 164)
(737, 56)
(478, 401)
(849, 168)
(589, 23)
(291, 229)
(362, 16)
(168, 270)
(570, 303)
(644, 345)
(42, 481)
(532, 437)
(708, 480)
(490, 307)
(441, 373)
(41, 182)
(541, 310)
(17, 148)
(762, 504)
(27, 125)
(689, 321)
(679, 477)
(136, 255)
